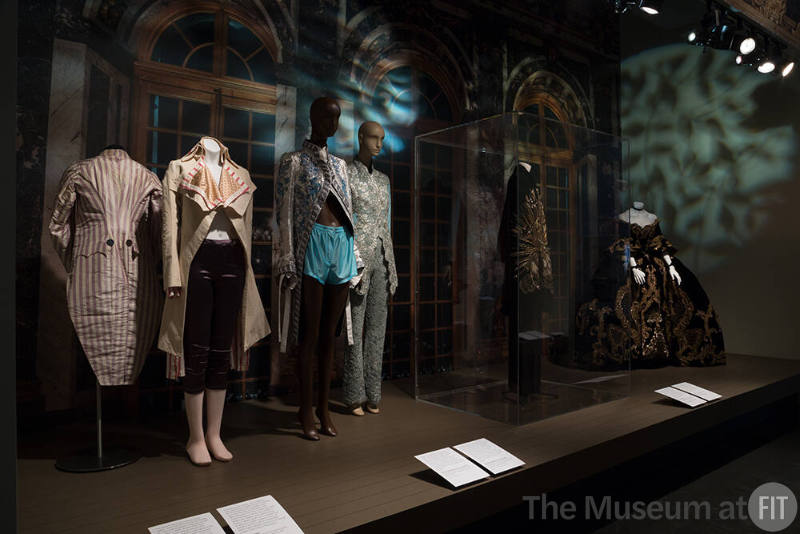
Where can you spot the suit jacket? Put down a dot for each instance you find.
(189, 206)
(372, 207)
(106, 230)
(305, 179)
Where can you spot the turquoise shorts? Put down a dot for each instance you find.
(329, 255)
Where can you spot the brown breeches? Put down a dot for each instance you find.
(213, 300)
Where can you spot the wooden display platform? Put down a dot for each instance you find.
(367, 478)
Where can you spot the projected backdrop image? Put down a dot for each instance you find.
(702, 158)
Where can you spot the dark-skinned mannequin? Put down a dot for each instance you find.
(316, 260)
(322, 304)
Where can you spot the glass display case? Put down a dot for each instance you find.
(518, 257)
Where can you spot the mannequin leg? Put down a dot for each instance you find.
(228, 288)
(310, 317)
(215, 404)
(196, 341)
(353, 379)
(375, 334)
(196, 446)
(333, 306)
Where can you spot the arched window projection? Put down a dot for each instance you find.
(191, 42)
(407, 95)
(413, 103)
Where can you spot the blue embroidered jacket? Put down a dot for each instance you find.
(305, 179)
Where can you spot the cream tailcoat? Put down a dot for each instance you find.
(187, 214)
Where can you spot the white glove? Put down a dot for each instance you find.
(673, 273)
(638, 275)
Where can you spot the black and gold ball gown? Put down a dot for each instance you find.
(657, 323)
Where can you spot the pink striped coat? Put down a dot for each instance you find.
(106, 228)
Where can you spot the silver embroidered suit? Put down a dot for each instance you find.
(370, 299)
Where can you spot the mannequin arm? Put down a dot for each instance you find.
(62, 220)
(673, 272)
(638, 273)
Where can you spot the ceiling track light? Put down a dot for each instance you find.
(724, 29)
(651, 7)
(717, 29)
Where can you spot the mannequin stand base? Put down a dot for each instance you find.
(88, 461)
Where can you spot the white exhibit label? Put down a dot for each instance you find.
(453, 467)
(490, 456)
(198, 524)
(681, 396)
(259, 516)
(697, 391)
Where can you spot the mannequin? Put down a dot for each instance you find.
(663, 318)
(526, 307)
(639, 216)
(317, 260)
(213, 313)
(370, 299)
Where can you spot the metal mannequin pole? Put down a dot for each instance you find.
(99, 421)
(92, 460)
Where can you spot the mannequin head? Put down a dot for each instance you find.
(638, 205)
(325, 113)
(370, 141)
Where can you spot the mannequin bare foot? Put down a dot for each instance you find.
(373, 408)
(307, 425)
(198, 453)
(218, 449)
(356, 409)
(325, 423)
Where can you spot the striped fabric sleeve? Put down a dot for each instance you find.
(62, 221)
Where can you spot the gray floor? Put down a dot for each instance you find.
(777, 461)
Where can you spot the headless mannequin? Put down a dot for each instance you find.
(640, 217)
(200, 444)
(322, 304)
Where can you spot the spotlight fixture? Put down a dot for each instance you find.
(746, 45)
(766, 65)
(651, 7)
(787, 69)
(717, 29)
(767, 59)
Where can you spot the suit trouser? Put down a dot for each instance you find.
(213, 300)
(363, 360)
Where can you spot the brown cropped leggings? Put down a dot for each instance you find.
(213, 300)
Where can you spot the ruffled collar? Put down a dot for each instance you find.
(199, 180)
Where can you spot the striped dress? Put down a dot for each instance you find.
(106, 228)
